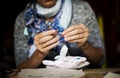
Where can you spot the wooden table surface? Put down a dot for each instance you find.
(89, 73)
(99, 73)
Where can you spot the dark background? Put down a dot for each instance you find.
(108, 9)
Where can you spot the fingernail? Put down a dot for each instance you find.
(58, 36)
(53, 30)
(65, 39)
(63, 33)
(58, 42)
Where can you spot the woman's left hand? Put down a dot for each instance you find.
(77, 33)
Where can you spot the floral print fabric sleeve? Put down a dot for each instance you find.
(20, 40)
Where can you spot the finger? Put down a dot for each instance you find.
(50, 42)
(46, 49)
(80, 28)
(41, 46)
(75, 37)
(45, 33)
(46, 38)
(74, 32)
(69, 29)
(82, 40)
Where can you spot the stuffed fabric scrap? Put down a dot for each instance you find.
(68, 62)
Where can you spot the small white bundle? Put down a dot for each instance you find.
(70, 62)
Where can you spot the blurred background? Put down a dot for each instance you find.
(107, 13)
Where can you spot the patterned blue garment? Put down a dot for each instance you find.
(36, 24)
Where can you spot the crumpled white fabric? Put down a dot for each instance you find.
(70, 62)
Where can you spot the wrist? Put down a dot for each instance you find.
(40, 54)
(85, 45)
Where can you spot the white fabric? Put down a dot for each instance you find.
(67, 14)
(49, 12)
(69, 62)
(32, 50)
(63, 51)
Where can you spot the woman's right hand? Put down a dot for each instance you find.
(46, 40)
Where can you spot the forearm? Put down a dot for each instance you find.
(32, 62)
(94, 55)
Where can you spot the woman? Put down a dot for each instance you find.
(48, 24)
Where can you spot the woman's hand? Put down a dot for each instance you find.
(77, 33)
(45, 41)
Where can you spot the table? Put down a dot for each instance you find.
(89, 73)
(99, 73)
